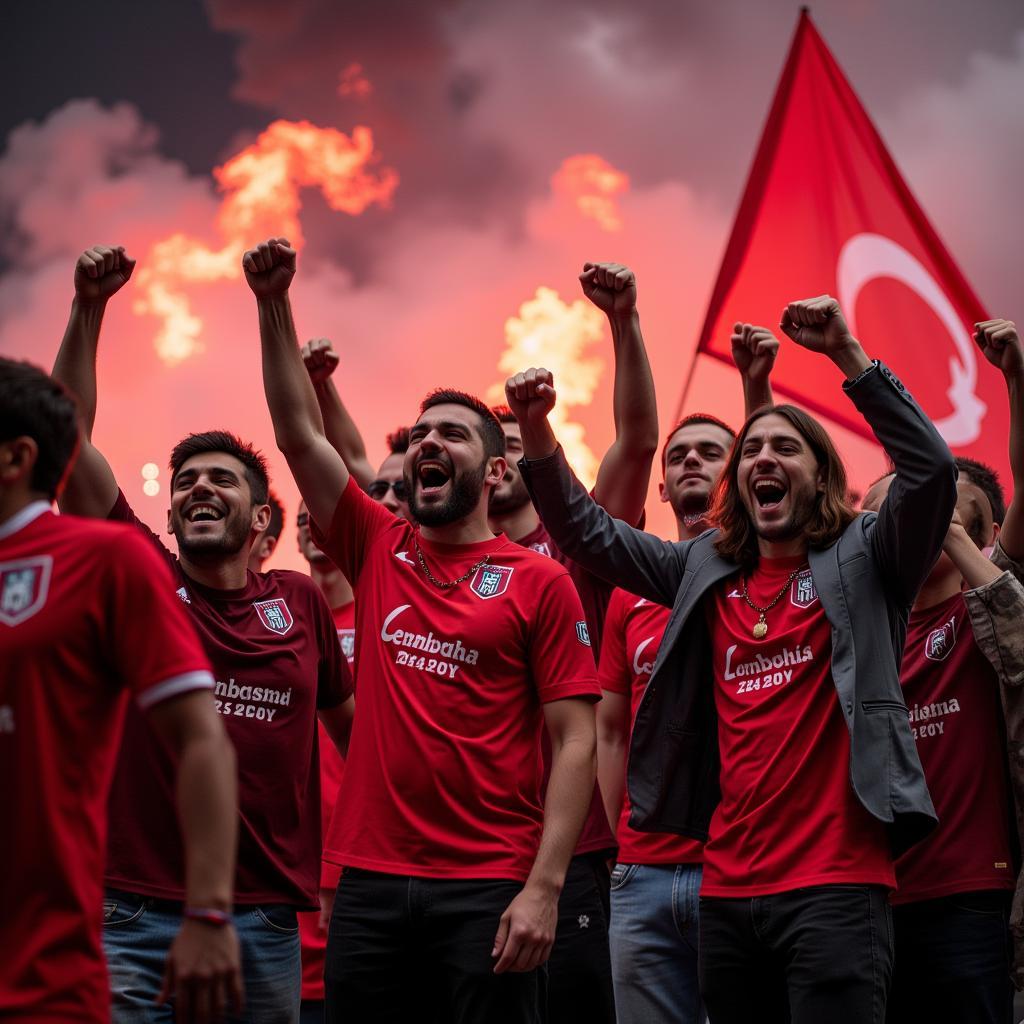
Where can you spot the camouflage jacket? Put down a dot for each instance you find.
(997, 617)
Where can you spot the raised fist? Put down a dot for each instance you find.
(320, 358)
(1000, 343)
(817, 324)
(269, 267)
(753, 351)
(531, 395)
(100, 272)
(610, 286)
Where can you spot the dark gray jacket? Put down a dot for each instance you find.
(866, 582)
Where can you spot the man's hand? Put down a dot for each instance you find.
(1000, 344)
(326, 908)
(269, 268)
(526, 931)
(817, 324)
(101, 272)
(611, 287)
(203, 973)
(320, 358)
(531, 395)
(753, 351)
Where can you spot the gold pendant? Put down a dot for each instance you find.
(760, 629)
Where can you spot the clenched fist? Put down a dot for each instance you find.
(100, 272)
(1000, 343)
(320, 358)
(753, 351)
(269, 267)
(610, 286)
(531, 395)
(817, 324)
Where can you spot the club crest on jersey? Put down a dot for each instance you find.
(490, 581)
(23, 587)
(274, 614)
(941, 641)
(347, 639)
(583, 634)
(802, 592)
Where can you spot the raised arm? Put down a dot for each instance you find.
(1000, 343)
(319, 471)
(203, 970)
(625, 470)
(911, 526)
(100, 273)
(753, 351)
(321, 361)
(581, 528)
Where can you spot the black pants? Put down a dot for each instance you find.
(403, 949)
(953, 961)
(810, 956)
(580, 968)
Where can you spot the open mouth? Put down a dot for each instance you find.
(768, 493)
(432, 476)
(204, 514)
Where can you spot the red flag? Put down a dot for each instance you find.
(826, 211)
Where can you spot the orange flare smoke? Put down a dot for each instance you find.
(261, 186)
(592, 184)
(551, 333)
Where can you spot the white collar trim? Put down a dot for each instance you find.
(29, 514)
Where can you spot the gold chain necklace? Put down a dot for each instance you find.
(760, 629)
(441, 584)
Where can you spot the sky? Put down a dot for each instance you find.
(440, 162)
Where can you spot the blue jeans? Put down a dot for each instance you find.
(138, 932)
(654, 943)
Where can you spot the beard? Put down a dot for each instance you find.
(466, 488)
(235, 534)
(512, 499)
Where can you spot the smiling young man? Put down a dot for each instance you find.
(87, 616)
(277, 663)
(655, 884)
(467, 645)
(963, 660)
(773, 723)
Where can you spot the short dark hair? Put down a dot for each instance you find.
(693, 418)
(223, 441)
(33, 404)
(491, 433)
(398, 441)
(986, 479)
(504, 414)
(276, 527)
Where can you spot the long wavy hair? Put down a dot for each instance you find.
(736, 539)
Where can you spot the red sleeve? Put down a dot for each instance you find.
(122, 512)
(153, 644)
(334, 680)
(561, 658)
(358, 521)
(613, 668)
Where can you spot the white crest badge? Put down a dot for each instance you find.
(23, 588)
(941, 641)
(490, 581)
(274, 614)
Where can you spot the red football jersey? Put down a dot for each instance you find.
(87, 613)
(443, 774)
(632, 636)
(594, 594)
(276, 658)
(332, 767)
(788, 816)
(952, 693)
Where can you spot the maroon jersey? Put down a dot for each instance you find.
(87, 614)
(788, 817)
(443, 774)
(276, 658)
(595, 593)
(952, 694)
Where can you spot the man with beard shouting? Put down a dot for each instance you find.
(276, 659)
(466, 644)
(773, 725)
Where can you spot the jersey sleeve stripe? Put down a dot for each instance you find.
(199, 680)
